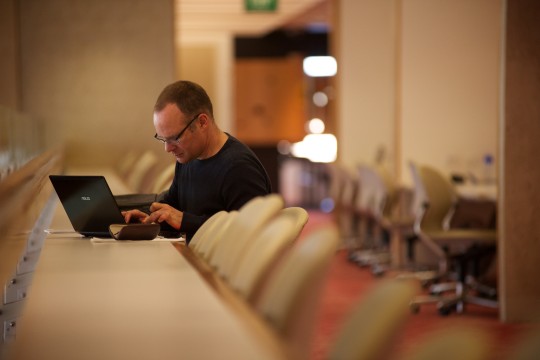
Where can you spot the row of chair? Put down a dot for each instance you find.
(142, 174)
(376, 212)
(256, 251)
(367, 212)
(259, 254)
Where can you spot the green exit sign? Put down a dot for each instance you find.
(261, 5)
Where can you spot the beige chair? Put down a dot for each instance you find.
(374, 206)
(299, 214)
(343, 187)
(164, 179)
(142, 168)
(291, 298)
(457, 250)
(213, 235)
(371, 327)
(453, 343)
(272, 253)
(268, 245)
(239, 235)
(422, 272)
(125, 166)
(205, 231)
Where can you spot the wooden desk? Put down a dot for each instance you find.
(126, 300)
(477, 191)
(136, 300)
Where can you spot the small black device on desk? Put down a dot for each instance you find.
(134, 231)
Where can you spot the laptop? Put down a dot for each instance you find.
(88, 202)
(91, 207)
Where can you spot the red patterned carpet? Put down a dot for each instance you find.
(347, 283)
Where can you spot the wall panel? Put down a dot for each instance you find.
(91, 70)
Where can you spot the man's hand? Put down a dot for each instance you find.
(134, 216)
(163, 212)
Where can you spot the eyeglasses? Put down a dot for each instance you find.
(176, 139)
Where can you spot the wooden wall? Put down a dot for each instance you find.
(270, 100)
(519, 245)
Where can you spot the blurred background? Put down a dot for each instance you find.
(408, 72)
(415, 80)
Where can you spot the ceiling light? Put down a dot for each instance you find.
(315, 126)
(317, 66)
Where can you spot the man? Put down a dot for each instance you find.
(214, 171)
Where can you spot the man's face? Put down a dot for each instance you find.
(173, 127)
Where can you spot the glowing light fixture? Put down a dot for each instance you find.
(315, 126)
(317, 148)
(316, 66)
(320, 99)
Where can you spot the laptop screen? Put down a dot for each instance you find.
(88, 202)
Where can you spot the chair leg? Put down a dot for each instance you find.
(370, 251)
(439, 295)
(465, 285)
(462, 298)
(410, 269)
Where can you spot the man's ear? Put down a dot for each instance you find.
(204, 120)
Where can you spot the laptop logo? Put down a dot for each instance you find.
(87, 198)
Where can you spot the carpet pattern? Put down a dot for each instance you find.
(347, 283)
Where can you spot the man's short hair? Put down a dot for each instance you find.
(190, 98)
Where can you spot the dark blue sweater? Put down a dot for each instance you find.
(225, 181)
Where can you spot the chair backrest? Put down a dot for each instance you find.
(340, 188)
(373, 193)
(126, 164)
(299, 214)
(441, 198)
(250, 220)
(370, 327)
(274, 253)
(269, 244)
(200, 237)
(164, 179)
(389, 188)
(345, 206)
(420, 198)
(291, 297)
(141, 169)
(214, 235)
(350, 188)
(432, 205)
(336, 181)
